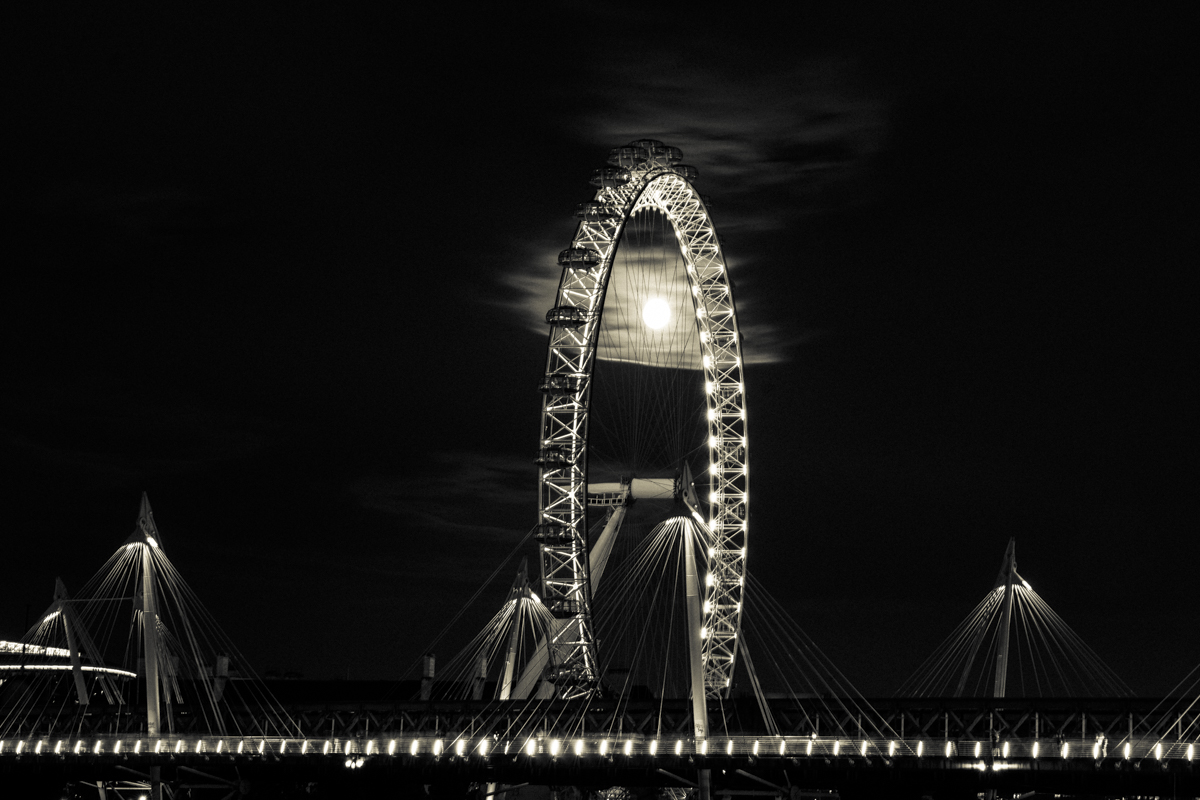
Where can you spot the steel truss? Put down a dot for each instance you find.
(644, 175)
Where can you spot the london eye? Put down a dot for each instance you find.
(644, 414)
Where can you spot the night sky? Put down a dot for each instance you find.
(285, 270)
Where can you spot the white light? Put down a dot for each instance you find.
(729, 748)
(604, 747)
(179, 745)
(704, 633)
(1096, 750)
(1027, 586)
(459, 748)
(837, 746)
(303, 748)
(1126, 751)
(347, 748)
(579, 747)
(483, 746)
(978, 747)
(656, 313)
(283, 747)
(707, 362)
(530, 747)
(707, 606)
(654, 747)
(678, 747)
(416, 744)
(21, 746)
(628, 746)
(808, 749)
(37, 750)
(1004, 751)
(137, 747)
(1158, 751)
(437, 747)
(712, 442)
(554, 747)
(891, 748)
(1190, 751)
(1066, 749)
(78, 744)
(863, 750)
(221, 744)
(782, 747)
(704, 747)
(949, 747)
(755, 748)
(708, 385)
(324, 749)
(242, 746)
(199, 744)
(1036, 747)
(920, 748)
(536, 599)
(712, 414)
(153, 543)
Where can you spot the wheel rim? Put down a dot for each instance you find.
(645, 176)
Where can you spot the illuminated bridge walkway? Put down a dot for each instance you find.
(945, 747)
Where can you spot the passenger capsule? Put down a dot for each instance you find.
(628, 157)
(566, 316)
(665, 155)
(646, 144)
(554, 533)
(595, 212)
(559, 385)
(578, 258)
(686, 171)
(554, 456)
(609, 177)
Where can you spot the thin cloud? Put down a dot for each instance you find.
(796, 143)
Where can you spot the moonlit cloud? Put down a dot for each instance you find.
(770, 150)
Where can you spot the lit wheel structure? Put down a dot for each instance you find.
(643, 176)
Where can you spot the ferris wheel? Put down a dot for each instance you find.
(644, 399)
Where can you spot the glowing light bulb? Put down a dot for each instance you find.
(656, 313)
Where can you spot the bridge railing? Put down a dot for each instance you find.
(967, 753)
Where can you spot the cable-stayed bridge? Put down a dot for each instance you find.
(639, 654)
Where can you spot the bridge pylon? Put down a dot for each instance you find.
(1013, 634)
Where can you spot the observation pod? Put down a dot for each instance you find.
(553, 532)
(554, 456)
(560, 385)
(662, 155)
(686, 171)
(609, 177)
(579, 257)
(595, 212)
(566, 316)
(628, 157)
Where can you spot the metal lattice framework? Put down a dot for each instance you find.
(644, 175)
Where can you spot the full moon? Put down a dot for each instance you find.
(656, 313)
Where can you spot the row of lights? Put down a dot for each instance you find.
(554, 747)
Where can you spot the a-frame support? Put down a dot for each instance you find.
(1008, 576)
(146, 536)
(1004, 583)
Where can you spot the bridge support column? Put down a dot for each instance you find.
(150, 632)
(156, 792)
